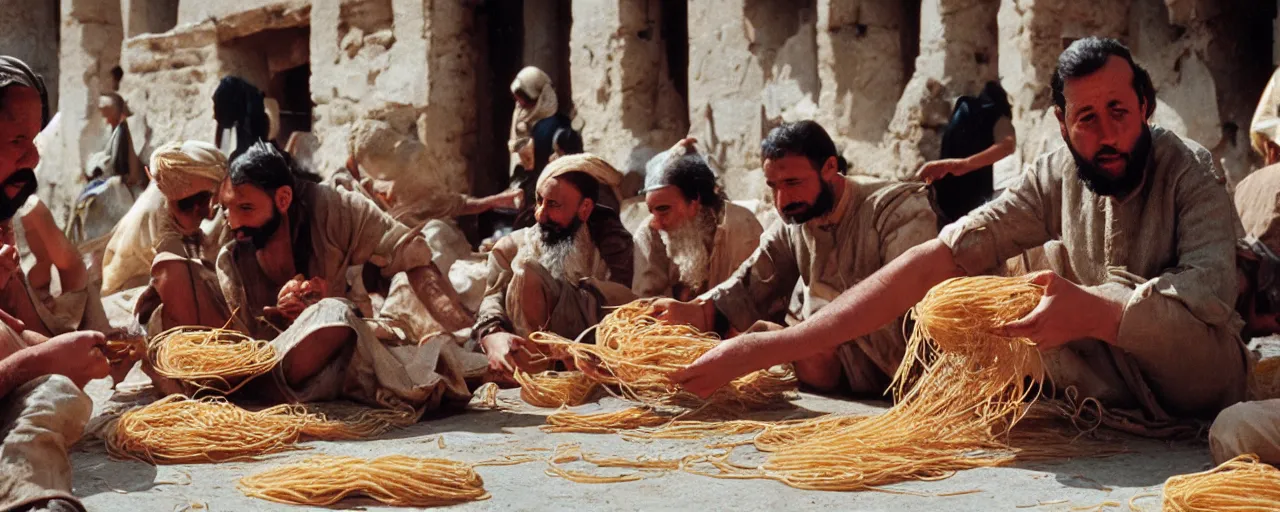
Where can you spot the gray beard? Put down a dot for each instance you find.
(687, 248)
(568, 259)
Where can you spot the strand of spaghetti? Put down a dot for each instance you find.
(554, 389)
(1242, 483)
(395, 480)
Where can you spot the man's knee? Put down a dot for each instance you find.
(820, 373)
(1246, 427)
(53, 402)
(167, 276)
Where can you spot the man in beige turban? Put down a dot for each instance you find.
(551, 276)
(159, 249)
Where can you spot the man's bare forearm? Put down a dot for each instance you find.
(873, 303)
(16, 370)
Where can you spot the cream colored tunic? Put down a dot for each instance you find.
(573, 305)
(406, 355)
(737, 237)
(147, 230)
(1167, 252)
(874, 222)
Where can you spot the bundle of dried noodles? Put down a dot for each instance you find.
(178, 430)
(638, 353)
(210, 358)
(1242, 483)
(970, 390)
(604, 422)
(554, 389)
(395, 480)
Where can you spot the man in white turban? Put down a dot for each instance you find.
(160, 250)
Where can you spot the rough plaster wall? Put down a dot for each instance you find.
(29, 31)
(860, 66)
(89, 47)
(196, 11)
(624, 96)
(148, 16)
(958, 51)
(741, 54)
(170, 78)
(426, 95)
(547, 24)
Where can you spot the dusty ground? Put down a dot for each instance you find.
(120, 486)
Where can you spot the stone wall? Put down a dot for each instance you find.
(29, 31)
(406, 62)
(88, 48)
(627, 106)
(198, 11)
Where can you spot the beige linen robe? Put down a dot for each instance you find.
(874, 222)
(737, 237)
(407, 355)
(573, 304)
(39, 422)
(1167, 251)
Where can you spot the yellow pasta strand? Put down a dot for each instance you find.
(395, 480)
(1240, 484)
(210, 358)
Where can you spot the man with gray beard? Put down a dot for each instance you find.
(693, 238)
(551, 276)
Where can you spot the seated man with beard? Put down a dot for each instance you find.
(42, 408)
(286, 277)
(1139, 315)
(159, 250)
(693, 238)
(551, 276)
(838, 231)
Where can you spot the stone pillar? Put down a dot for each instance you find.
(752, 65)
(626, 103)
(415, 70)
(89, 47)
(860, 65)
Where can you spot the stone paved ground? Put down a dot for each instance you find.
(126, 486)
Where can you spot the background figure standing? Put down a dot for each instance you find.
(116, 177)
(238, 106)
(979, 134)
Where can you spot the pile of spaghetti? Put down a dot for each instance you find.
(1242, 483)
(395, 480)
(959, 390)
(178, 430)
(220, 360)
(637, 353)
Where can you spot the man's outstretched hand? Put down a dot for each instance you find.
(729, 360)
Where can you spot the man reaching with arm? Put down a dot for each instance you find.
(1140, 317)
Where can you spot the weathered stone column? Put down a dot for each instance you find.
(958, 54)
(752, 65)
(89, 48)
(623, 92)
(860, 64)
(410, 63)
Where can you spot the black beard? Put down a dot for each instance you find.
(800, 213)
(9, 206)
(260, 235)
(1103, 184)
(554, 234)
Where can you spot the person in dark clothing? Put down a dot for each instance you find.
(238, 106)
(979, 134)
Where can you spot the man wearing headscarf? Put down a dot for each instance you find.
(160, 250)
(116, 176)
(285, 277)
(551, 276)
(239, 109)
(535, 101)
(42, 409)
(693, 238)
(1264, 130)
